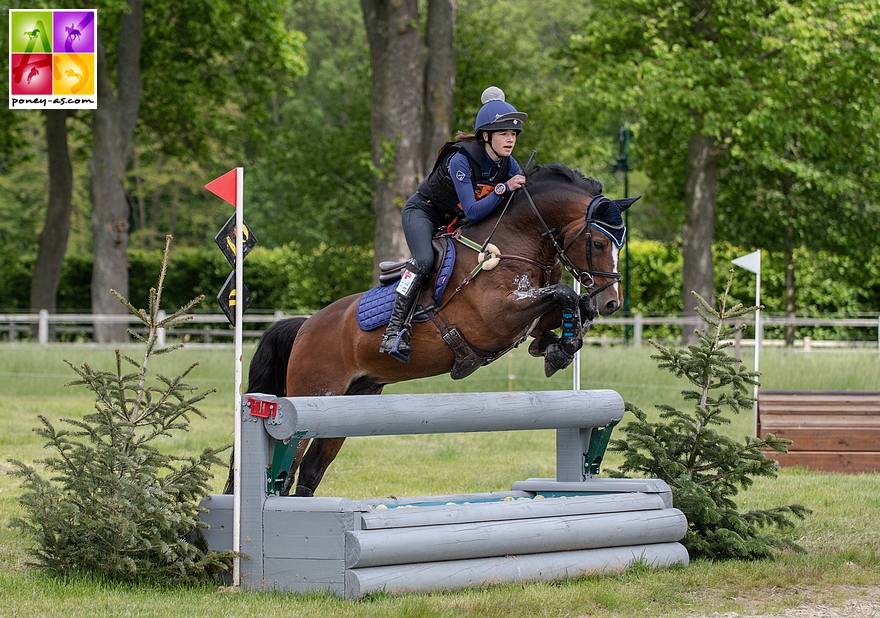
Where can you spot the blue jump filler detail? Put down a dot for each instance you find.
(374, 307)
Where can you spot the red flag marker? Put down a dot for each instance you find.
(224, 187)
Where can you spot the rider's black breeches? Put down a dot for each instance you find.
(419, 225)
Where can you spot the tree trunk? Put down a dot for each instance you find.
(397, 116)
(698, 273)
(439, 78)
(112, 131)
(53, 238)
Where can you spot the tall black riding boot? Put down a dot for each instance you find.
(397, 340)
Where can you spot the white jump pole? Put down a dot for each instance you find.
(576, 363)
(239, 312)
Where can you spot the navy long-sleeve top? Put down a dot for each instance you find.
(460, 172)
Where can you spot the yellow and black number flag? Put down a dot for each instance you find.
(225, 239)
(229, 296)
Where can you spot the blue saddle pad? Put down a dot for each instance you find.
(375, 306)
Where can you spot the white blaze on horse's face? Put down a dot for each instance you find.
(609, 295)
(615, 257)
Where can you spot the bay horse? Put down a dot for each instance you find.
(504, 294)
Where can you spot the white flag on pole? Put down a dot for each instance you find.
(751, 262)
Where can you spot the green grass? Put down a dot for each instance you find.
(841, 536)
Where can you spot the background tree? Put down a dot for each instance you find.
(525, 62)
(233, 60)
(56, 230)
(217, 92)
(181, 47)
(310, 180)
(803, 168)
(686, 72)
(113, 125)
(52, 241)
(399, 120)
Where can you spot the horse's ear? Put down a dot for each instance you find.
(626, 202)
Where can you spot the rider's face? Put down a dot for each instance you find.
(503, 142)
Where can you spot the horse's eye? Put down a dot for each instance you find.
(599, 244)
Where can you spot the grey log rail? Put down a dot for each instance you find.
(543, 529)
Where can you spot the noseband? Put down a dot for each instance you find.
(585, 277)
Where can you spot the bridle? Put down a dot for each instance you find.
(585, 277)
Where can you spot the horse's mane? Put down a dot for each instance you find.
(558, 171)
(606, 211)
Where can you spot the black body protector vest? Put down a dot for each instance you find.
(438, 187)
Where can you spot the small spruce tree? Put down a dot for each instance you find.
(703, 468)
(114, 504)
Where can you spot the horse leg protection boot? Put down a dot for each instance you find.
(397, 340)
(571, 326)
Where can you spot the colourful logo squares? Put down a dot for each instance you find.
(52, 59)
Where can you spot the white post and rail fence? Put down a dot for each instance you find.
(214, 328)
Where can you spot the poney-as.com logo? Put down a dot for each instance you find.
(52, 59)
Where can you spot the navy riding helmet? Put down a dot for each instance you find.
(496, 114)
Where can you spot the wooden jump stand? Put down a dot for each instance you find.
(540, 530)
(833, 431)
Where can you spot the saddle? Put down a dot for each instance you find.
(389, 271)
(375, 306)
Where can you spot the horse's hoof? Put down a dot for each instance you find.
(555, 359)
(549, 369)
(539, 345)
(535, 348)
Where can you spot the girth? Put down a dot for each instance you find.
(467, 358)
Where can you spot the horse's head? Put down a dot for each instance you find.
(589, 231)
(605, 235)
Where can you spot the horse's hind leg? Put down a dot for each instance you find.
(315, 463)
(323, 451)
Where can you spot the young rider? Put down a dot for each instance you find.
(450, 190)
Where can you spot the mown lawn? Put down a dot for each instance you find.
(842, 536)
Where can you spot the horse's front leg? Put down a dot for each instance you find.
(558, 352)
(561, 303)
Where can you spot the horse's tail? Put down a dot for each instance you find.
(268, 369)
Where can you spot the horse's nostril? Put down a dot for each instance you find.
(611, 306)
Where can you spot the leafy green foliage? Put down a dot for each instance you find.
(704, 468)
(114, 504)
(786, 92)
(229, 56)
(311, 169)
(805, 159)
(530, 77)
